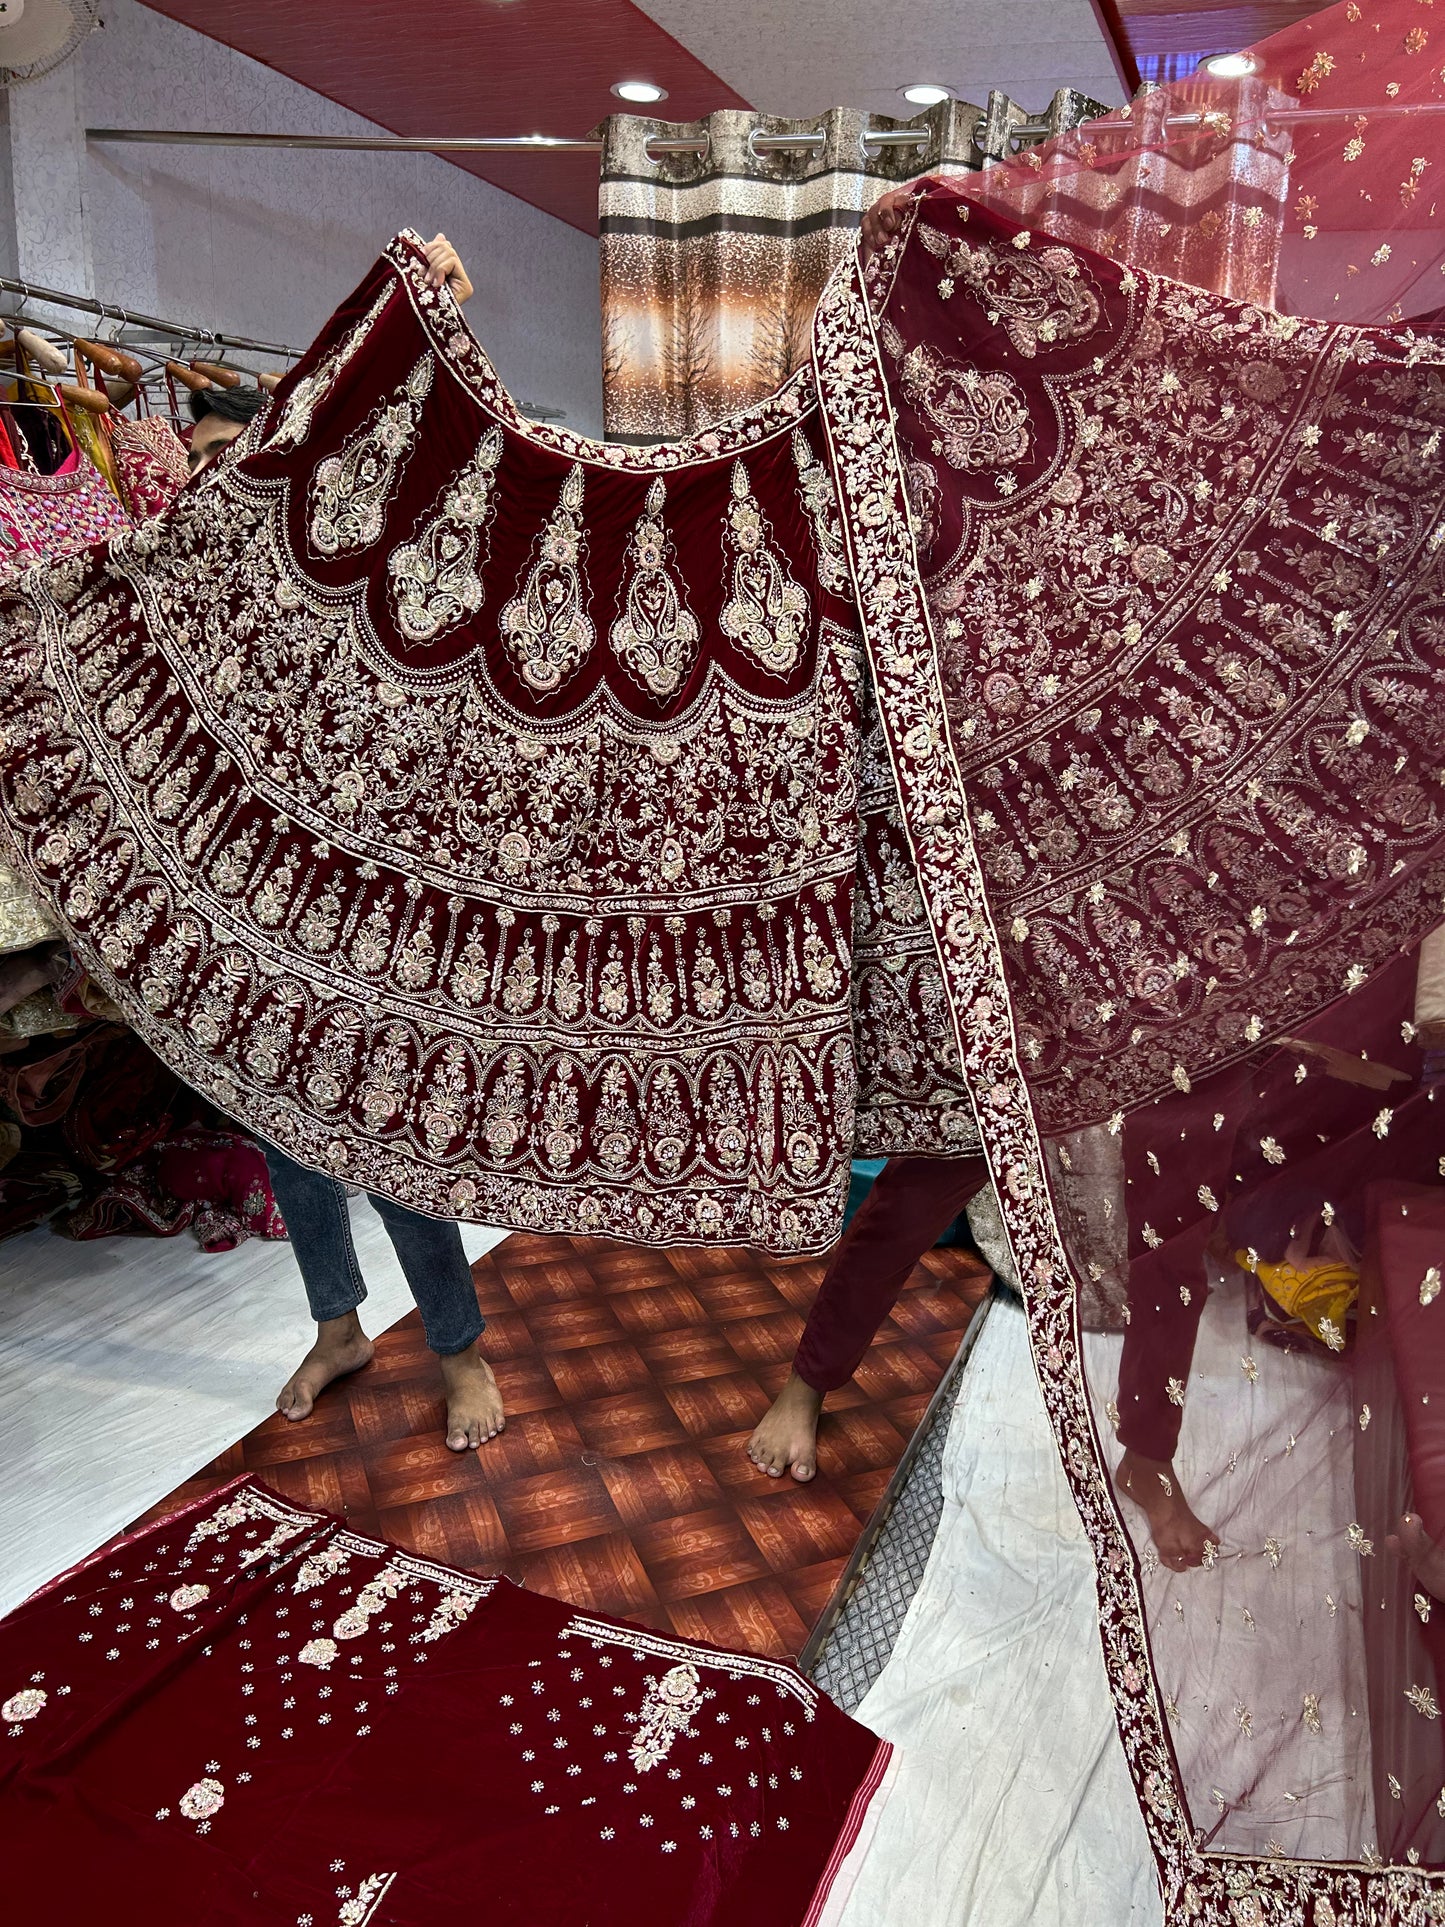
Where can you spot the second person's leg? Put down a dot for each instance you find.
(913, 1202)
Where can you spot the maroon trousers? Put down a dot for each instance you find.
(913, 1202)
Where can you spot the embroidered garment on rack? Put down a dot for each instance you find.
(247, 1713)
(523, 774)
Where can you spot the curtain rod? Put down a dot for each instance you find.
(659, 145)
(497, 143)
(128, 318)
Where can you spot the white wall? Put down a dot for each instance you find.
(266, 244)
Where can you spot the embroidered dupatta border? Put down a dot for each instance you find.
(1201, 1889)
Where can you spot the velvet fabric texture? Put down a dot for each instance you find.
(247, 1713)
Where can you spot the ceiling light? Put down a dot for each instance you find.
(639, 90)
(1229, 66)
(926, 94)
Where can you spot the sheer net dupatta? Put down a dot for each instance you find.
(1164, 700)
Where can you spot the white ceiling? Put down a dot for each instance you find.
(798, 57)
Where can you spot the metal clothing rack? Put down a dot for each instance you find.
(153, 324)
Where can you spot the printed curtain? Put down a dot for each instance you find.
(713, 262)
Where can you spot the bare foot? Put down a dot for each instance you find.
(474, 1404)
(1182, 1540)
(787, 1438)
(1421, 1554)
(341, 1347)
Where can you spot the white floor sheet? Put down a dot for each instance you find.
(127, 1364)
(1011, 1805)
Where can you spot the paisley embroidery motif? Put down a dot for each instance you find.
(768, 611)
(350, 489)
(436, 579)
(294, 424)
(815, 485)
(982, 420)
(1040, 298)
(545, 624)
(655, 635)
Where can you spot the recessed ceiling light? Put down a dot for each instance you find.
(640, 90)
(1229, 66)
(925, 94)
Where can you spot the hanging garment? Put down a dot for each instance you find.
(247, 1713)
(518, 884)
(150, 459)
(47, 516)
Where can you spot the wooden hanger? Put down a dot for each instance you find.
(188, 377)
(269, 381)
(91, 399)
(42, 352)
(216, 374)
(111, 360)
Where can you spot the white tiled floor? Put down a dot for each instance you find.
(128, 1363)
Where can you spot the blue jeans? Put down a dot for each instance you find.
(429, 1250)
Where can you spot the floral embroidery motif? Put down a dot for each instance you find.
(25, 1704)
(373, 1596)
(545, 624)
(768, 611)
(185, 1598)
(982, 420)
(655, 635)
(820, 499)
(1041, 298)
(294, 422)
(318, 1652)
(453, 1609)
(203, 1800)
(350, 489)
(318, 1567)
(436, 579)
(667, 1710)
(358, 1908)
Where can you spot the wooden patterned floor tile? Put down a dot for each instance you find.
(667, 1484)
(754, 1618)
(555, 1508)
(723, 1404)
(598, 1371)
(803, 1524)
(630, 1423)
(701, 1552)
(633, 1378)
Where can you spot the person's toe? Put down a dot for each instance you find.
(803, 1470)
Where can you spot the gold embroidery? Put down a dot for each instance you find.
(655, 635)
(982, 419)
(820, 499)
(294, 424)
(768, 611)
(25, 1704)
(667, 1710)
(545, 624)
(436, 579)
(1040, 298)
(350, 489)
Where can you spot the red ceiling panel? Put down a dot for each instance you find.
(472, 67)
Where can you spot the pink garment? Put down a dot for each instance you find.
(44, 517)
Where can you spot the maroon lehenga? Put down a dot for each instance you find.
(1033, 710)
